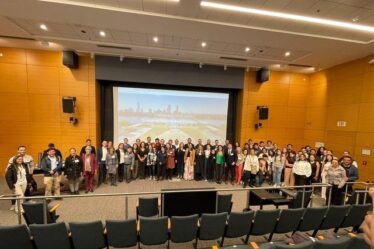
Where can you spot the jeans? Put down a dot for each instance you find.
(277, 174)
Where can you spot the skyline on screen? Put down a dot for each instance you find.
(169, 114)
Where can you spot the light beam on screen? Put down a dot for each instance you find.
(169, 114)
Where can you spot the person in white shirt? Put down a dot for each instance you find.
(251, 168)
(101, 160)
(301, 170)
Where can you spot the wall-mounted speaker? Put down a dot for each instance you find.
(70, 59)
(68, 104)
(263, 112)
(262, 75)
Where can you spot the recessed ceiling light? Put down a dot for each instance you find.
(1, 54)
(43, 27)
(155, 39)
(102, 34)
(287, 16)
(203, 44)
(355, 19)
(288, 53)
(247, 49)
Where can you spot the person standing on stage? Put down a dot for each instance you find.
(90, 167)
(170, 163)
(121, 161)
(302, 170)
(52, 168)
(230, 161)
(17, 177)
(151, 162)
(189, 160)
(112, 166)
(199, 169)
(73, 170)
(161, 163)
(142, 157)
(101, 159)
(88, 143)
(179, 158)
(239, 164)
(128, 163)
(220, 161)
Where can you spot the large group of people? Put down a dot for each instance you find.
(249, 165)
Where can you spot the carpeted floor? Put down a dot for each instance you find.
(103, 208)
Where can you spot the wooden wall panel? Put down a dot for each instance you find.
(349, 93)
(32, 84)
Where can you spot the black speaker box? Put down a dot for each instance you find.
(70, 59)
(263, 112)
(262, 75)
(68, 105)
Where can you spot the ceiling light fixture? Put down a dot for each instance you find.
(92, 55)
(287, 54)
(149, 60)
(201, 65)
(247, 49)
(121, 58)
(225, 67)
(155, 39)
(203, 44)
(102, 34)
(288, 16)
(43, 27)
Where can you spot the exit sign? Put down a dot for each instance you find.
(341, 123)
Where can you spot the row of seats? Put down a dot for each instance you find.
(346, 242)
(178, 229)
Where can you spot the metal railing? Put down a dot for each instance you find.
(366, 184)
(127, 194)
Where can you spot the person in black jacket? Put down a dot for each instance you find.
(52, 168)
(88, 143)
(18, 177)
(230, 159)
(161, 164)
(73, 170)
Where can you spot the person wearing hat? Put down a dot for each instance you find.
(52, 168)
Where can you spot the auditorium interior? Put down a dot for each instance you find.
(187, 103)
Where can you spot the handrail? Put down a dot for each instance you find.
(366, 184)
(127, 194)
(166, 192)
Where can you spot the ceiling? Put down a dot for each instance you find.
(181, 27)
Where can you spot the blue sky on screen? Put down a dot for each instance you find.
(187, 101)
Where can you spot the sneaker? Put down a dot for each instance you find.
(12, 208)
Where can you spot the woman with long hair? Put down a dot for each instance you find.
(17, 177)
(121, 161)
(180, 160)
(189, 160)
(112, 166)
(289, 179)
(170, 163)
(220, 161)
(239, 165)
(142, 157)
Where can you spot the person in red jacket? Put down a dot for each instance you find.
(89, 168)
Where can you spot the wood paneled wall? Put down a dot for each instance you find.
(286, 96)
(344, 93)
(32, 84)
